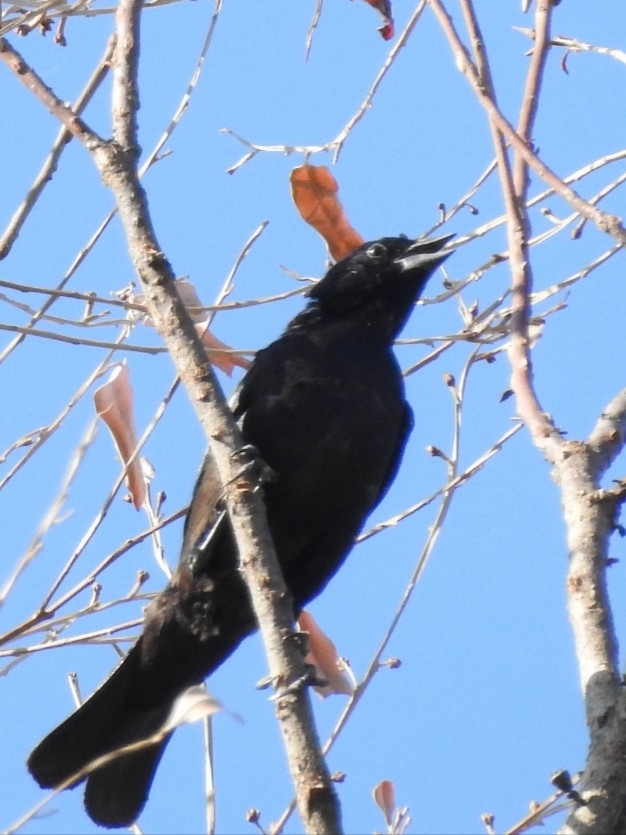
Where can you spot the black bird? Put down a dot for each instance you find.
(324, 406)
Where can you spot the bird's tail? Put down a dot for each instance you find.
(116, 790)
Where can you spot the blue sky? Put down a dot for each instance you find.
(486, 703)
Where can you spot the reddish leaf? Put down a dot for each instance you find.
(314, 191)
(387, 30)
(384, 7)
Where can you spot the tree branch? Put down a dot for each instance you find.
(611, 224)
(590, 516)
(116, 160)
(514, 191)
(590, 513)
(608, 437)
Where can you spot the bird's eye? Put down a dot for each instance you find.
(377, 251)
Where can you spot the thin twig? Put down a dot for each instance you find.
(335, 145)
(47, 431)
(610, 224)
(52, 514)
(60, 143)
(575, 45)
(312, 27)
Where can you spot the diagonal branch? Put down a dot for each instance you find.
(514, 184)
(611, 224)
(116, 160)
(49, 167)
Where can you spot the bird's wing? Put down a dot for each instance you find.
(396, 458)
(206, 510)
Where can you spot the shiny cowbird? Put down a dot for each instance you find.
(324, 406)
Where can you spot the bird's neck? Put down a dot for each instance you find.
(370, 324)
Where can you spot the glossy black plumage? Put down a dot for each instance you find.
(324, 405)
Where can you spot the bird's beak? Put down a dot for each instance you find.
(425, 253)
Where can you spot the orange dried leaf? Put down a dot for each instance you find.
(323, 654)
(114, 404)
(385, 797)
(314, 191)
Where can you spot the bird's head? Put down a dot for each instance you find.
(378, 284)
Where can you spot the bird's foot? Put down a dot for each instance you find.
(253, 467)
(309, 678)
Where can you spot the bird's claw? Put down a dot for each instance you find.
(309, 678)
(265, 682)
(253, 466)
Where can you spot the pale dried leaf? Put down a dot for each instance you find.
(220, 354)
(193, 704)
(114, 404)
(189, 297)
(385, 797)
(323, 655)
